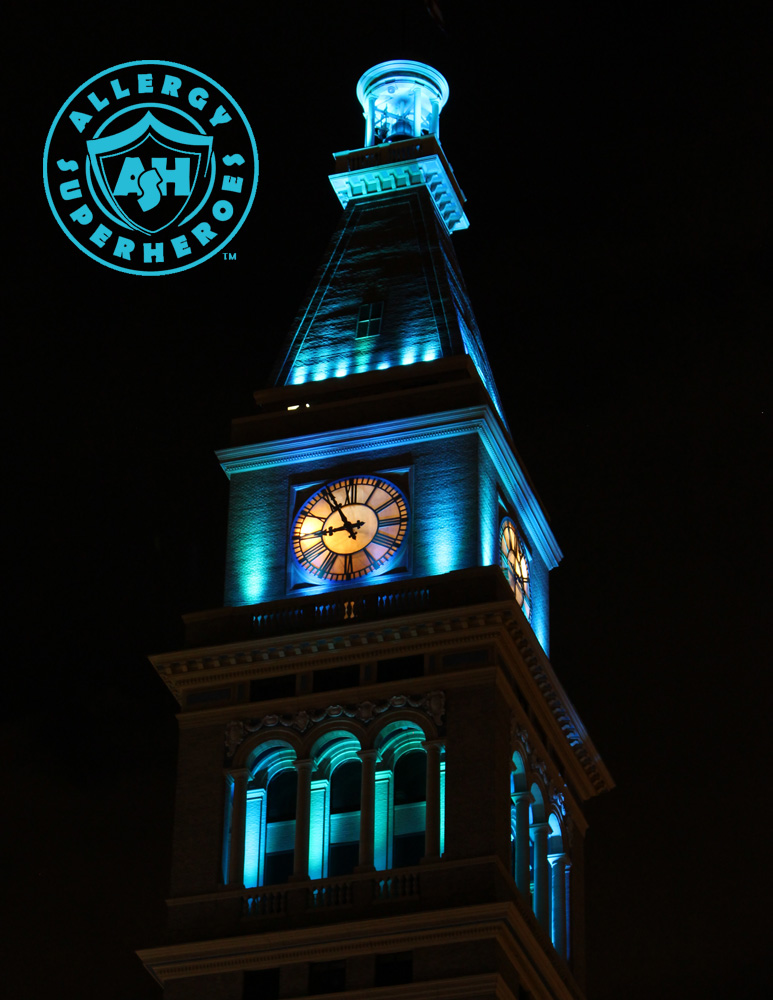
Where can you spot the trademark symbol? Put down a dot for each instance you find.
(229, 256)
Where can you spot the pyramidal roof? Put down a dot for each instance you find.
(389, 290)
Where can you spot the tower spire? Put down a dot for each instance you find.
(390, 290)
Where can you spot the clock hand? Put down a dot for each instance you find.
(316, 534)
(348, 526)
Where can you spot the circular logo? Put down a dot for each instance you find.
(150, 167)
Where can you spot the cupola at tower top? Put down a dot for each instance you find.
(401, 102)
(401, 99)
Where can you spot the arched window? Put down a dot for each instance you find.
(520, 816)
(345, 818)
(401, 797)
(399, 782)
(540, 865)
(334, 833)
(280, 827)
(559, 887)
(410, 808)
(269, 827)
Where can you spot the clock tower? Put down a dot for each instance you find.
(381, 779)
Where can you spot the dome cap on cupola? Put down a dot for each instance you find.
(401, 99)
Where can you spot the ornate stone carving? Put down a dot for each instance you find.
(519, 735)
(557, 798)
(433, 704)
(536, 765)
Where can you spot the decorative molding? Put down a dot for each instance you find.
(433, 705)
(189, 668)
(240, 661)
(552, 781)
(502, 923)
(561, 708)
(344, 441)
(382, 178)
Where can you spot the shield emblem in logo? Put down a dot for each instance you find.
(150, 173)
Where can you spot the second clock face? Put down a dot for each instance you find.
(515, 565)
(350, 528)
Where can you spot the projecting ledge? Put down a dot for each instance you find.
(347, 607)
(375, 170)
(447, 903)
(438, 885)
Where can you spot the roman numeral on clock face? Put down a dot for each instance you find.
(386, 522)
(328, 562)
(329, 499)
(315, 551)
(381, 539)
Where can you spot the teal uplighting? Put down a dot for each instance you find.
(442, 807)
(400, 807)
(269, 830)
(319, 828)
(382, 839)
(227, 823)
(362, 362)
(254, 582)
(254, 836)
(444, 556)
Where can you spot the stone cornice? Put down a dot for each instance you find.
(558, 709)
(502, 922)
(377, 171)
(350, 440)
(206, 667)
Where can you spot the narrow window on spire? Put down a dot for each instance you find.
(369, 319)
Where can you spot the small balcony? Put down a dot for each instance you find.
(350, 606)
(353, 892)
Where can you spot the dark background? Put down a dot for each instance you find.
(611, 157)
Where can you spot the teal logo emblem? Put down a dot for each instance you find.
(150, 167)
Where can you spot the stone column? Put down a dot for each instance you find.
(521, 803)
(369, 759)
(370, 122)
(302, 816)
(539, 836)
(568, 907)
(558, 867)
(432, 824)
(239, 777)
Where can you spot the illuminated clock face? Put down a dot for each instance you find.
(350, 528)
(515, 565)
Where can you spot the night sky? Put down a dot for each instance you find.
(612, 160)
